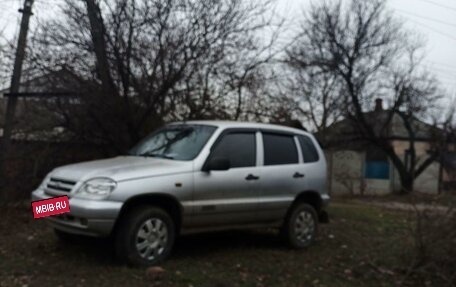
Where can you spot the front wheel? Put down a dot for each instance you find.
(300, 226)
(145, 237)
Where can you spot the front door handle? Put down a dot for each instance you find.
(298, 175)
(252, 177)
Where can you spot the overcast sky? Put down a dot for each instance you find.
(434, 19)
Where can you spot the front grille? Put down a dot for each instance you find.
(60, 185)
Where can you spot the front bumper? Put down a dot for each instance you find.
(86, 217)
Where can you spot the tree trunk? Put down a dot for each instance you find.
(406, 177)
(407, 181)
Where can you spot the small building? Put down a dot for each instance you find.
(40, 99)
(39, 140)
(356, 166)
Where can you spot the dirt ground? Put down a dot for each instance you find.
(363, 245)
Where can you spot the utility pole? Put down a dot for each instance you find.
(97, 31)
(15, 83)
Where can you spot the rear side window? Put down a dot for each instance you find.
(238, 148)
(309, 152)
(279, 149)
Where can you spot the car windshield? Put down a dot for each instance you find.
(179, 142)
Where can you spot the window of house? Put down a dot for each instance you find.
(238, 148)
(279, 149)
(377, 165)
(309, 152)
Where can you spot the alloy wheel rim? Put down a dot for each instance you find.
(304, 226)
(151, 238)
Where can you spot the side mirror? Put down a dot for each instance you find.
(217, 163)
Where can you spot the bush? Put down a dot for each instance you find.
(29, 162)
(433, 252)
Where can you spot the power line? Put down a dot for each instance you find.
(444, 76)
(443, 71)
(439, 5)
(440, 66)
(450, 77)
(448, 66)
(435, 30)
(448, 82)
(427, 18)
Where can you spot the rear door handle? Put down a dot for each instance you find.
(252, 177)
(298, 175)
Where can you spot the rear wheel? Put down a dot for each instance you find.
(145, 236)
(300, 226)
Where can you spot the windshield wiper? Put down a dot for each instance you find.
(146, 154)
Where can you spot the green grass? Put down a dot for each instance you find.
(362, 246)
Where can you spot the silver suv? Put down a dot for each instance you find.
(195, 176)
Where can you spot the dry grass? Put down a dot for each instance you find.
(362, 246)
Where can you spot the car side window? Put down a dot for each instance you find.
(279, 149)
(238, 147)
(309, 152)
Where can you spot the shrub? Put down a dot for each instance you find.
(433, 250)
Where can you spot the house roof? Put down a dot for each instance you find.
(385, 123)
(39, 82)
(34, 113)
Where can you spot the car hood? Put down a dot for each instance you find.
(121, 168)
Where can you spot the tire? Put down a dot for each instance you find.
(300, 226)
(145, 236)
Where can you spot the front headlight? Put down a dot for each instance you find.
(97, 188)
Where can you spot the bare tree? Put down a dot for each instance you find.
(367, 53)
(137, 64)
(3, 66)
(315, 95)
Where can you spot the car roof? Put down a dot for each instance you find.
(235, 124)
